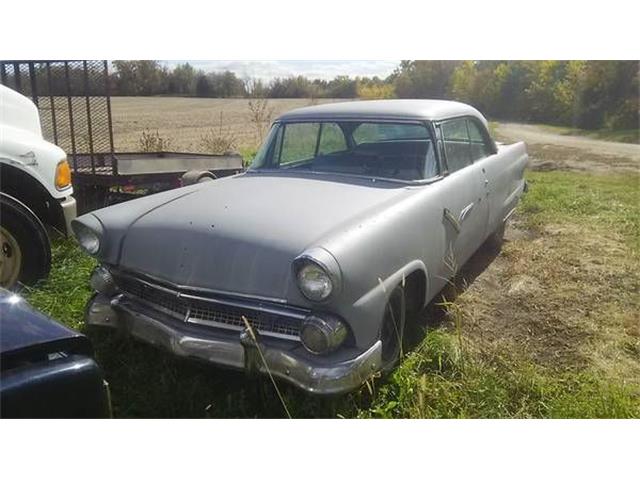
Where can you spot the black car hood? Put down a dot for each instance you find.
(24, 328)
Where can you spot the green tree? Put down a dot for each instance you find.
(182, 80)
(140, 77)
(423, 78)
(203, 86)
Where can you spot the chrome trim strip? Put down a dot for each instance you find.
(142, 276)
(511, 212)
(290, 310)
(293, 312)
(465, 211)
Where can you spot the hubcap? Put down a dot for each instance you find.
(10, 259)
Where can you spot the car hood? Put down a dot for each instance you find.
(241, 234)
(24, 329)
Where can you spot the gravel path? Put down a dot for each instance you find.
(552, 151)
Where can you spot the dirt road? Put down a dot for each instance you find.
(552, 151)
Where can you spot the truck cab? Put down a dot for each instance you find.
(35, 192)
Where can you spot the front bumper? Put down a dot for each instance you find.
(319, 375)
(69, 212)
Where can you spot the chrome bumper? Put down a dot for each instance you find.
(69, 211)
(294, 365)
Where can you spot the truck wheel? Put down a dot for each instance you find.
(196, 176)
(392, 332)
(25, 254)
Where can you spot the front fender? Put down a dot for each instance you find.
(366, 314)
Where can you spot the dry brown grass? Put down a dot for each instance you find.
(187, 120)
(564, 297)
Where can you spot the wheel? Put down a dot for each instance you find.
(196, 176)
(392, 331)
(25, 250)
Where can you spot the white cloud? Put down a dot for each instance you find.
(323, 69)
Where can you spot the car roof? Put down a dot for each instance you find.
(404, 109)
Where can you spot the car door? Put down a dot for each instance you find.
(464, 203)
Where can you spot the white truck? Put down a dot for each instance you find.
(35, 192)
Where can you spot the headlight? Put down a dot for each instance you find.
(314, 282)
(87, 238)
(322, 335)
(63, 175)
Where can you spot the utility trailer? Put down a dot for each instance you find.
(74, 102)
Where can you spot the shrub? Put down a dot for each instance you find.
(260, 116)
(153, 142)
(219, 140)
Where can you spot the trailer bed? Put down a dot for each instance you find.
(123, 168)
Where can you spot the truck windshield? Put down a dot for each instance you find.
(401, 151)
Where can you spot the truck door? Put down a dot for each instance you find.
(465, 208)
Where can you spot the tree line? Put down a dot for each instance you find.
(586, 94)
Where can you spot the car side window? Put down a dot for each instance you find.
(479, 146)
(331, 139)
(299, 142)
(456, 144)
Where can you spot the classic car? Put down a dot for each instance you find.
(307, 265)
(47, 370)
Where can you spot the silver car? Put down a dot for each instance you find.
(308, 264)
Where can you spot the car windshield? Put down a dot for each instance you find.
(401, 151)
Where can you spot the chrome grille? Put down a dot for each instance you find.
(209, 312)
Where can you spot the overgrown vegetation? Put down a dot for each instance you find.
(550, 328)
(261, 116)
(151, 141)
(219, 140)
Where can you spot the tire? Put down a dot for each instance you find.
(25, 247)
(393, 329)
(196, 176)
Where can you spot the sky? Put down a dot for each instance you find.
(312, 69)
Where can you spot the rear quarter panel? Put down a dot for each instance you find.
(505, 173)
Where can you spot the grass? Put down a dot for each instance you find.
(435, 382)
(610, 202)
(549, 328)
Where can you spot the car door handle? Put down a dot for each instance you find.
(465, 212)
